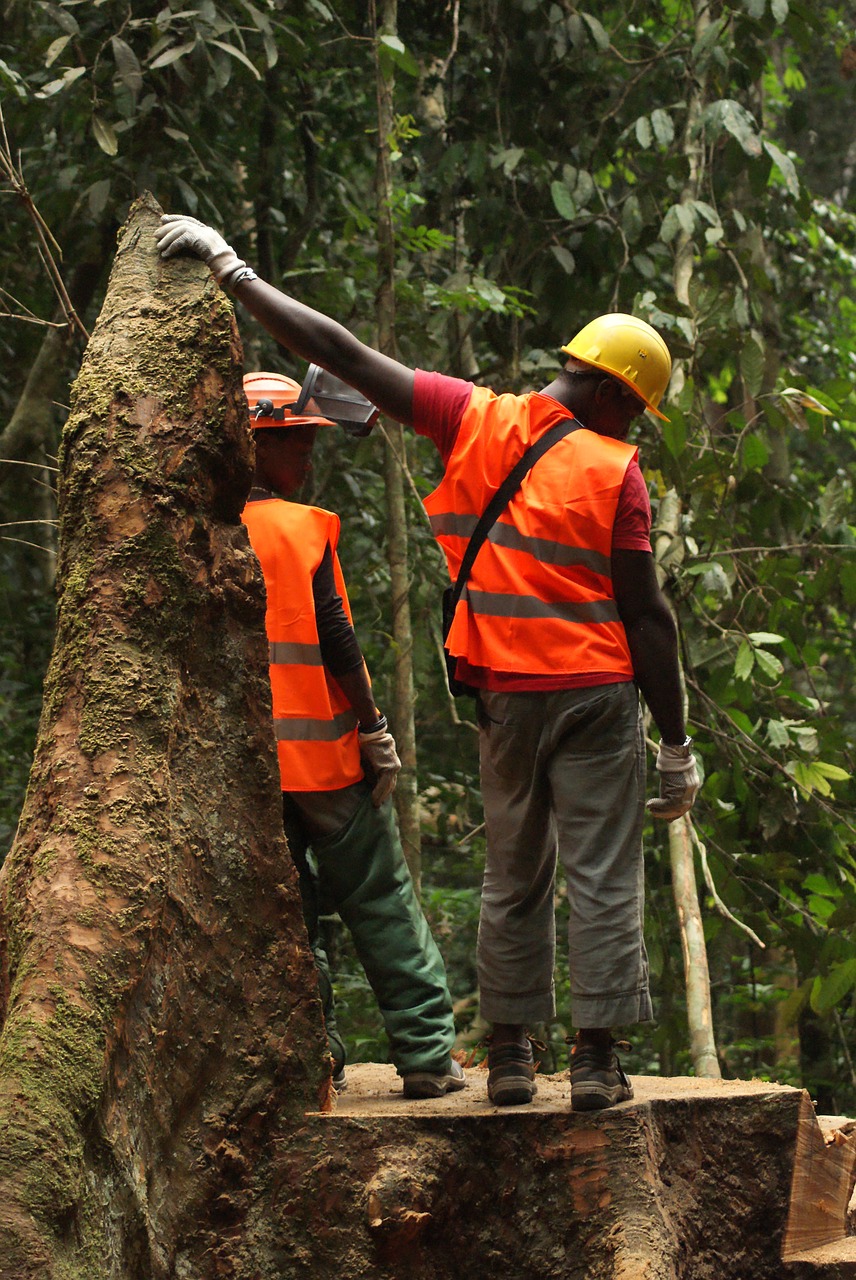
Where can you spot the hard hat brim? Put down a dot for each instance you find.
(611, 373)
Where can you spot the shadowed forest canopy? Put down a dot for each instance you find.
(692, 163)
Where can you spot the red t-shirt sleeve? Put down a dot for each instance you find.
(632, 528)
(438, 406)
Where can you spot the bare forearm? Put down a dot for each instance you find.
(653, 643)
(357, 688)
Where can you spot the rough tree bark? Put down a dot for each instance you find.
(160, 1022)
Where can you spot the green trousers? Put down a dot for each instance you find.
(359, 871)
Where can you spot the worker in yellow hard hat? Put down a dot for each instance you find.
(338, 762)
(555, 625)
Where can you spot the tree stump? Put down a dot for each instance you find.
(691, 1180)
(160, 1021)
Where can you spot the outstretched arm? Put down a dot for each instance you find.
(317, 338)
(309, 334)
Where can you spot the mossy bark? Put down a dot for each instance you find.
(160, 1022)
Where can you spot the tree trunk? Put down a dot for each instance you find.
(667, 548)
(160, 1021)
(406, 793)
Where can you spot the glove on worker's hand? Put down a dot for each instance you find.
(381, 760)
(679, 782)
(179, 233)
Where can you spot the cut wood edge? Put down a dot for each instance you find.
(821, 1189)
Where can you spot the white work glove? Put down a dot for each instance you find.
(380, 758)
(679, 781)
(179, 233)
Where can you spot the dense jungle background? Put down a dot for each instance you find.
(516, 167)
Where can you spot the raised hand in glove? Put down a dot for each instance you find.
(380, 759)
(179, 233)
(679, 781)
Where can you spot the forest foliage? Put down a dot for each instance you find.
(694, 164)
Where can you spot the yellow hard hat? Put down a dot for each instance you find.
(270, 396)
(628, 349)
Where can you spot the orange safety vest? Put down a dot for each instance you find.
(315, 725)
(539, 599)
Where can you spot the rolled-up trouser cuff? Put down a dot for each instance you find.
(522, 1010)
(612, 1011)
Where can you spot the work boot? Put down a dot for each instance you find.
(511, 1073)
(434, 1084)
(597, 1080)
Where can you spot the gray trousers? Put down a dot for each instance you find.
(563, 773)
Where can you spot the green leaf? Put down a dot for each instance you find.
(584, 188)
(777, 733)
(392, 49)
(675, 433)
(98, 195)
(127, 64)
(237, 53)
(785, 166)
(728, 115)
(65, 21)
(815, 776)
(671, 224)
(271, 50)
(565, 258)
(739, 718)
(562, 201)
(105, 135)
(644, 136)
(707, 211)
(766, 637)
(631, 218)
(830, 991)
(816, 883)
(833, 771)
(752, 365)
(664, 129)
(836, 503)
(754, 453)
(509, 158)
(597, 30)
(744, 661)
(55, 86)
(55, 48)
(172, 55)
(769, 663)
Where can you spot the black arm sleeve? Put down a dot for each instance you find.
(340, 648)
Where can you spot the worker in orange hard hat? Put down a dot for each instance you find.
(558, 623)
(337, 759)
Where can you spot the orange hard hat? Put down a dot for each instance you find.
(269, 396)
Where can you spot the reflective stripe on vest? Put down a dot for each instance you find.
(504, 535)
(314, 724)
(540, 597)
(494, 605)
(306, 655)
(293, 729)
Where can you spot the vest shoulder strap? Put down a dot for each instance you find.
(506, 492)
